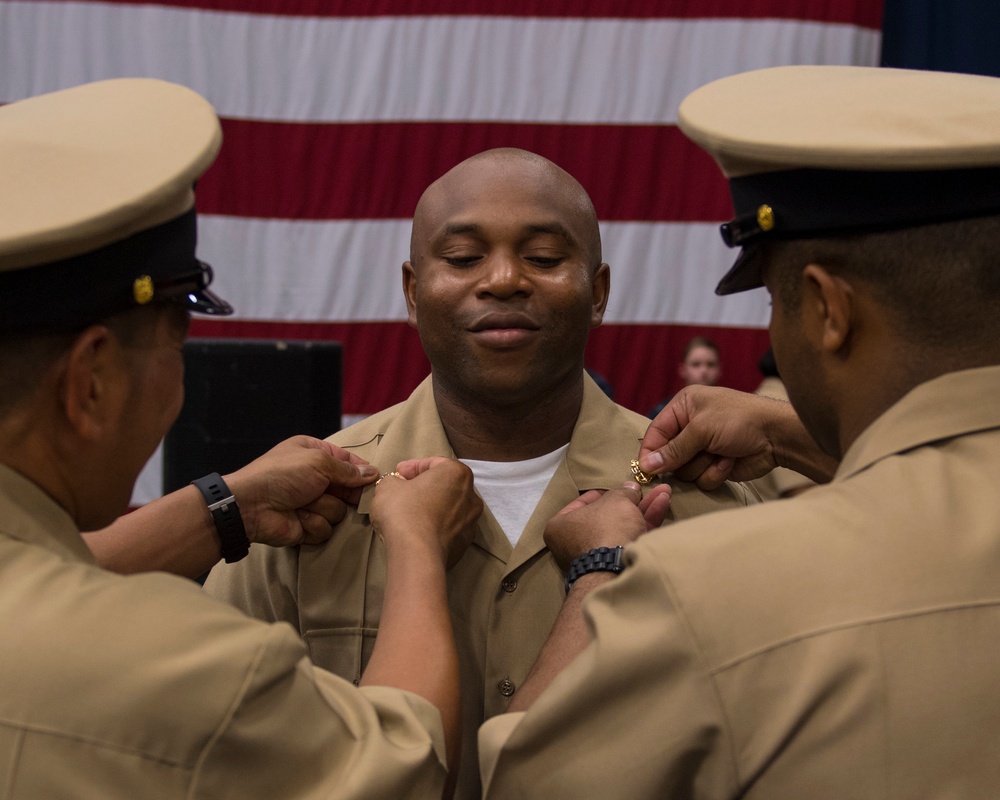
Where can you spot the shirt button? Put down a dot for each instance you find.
(506, 687)
(508, 585)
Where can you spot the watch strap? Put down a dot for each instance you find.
(600, 559)
(233, 541)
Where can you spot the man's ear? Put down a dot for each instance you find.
(92, 382)
(600, 291)
(830, 300)
(410, 293)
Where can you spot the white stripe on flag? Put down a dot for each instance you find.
(349, 271)
(454, 68)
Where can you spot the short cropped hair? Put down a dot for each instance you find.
(941, 282)
(26, 357)
(700, 341)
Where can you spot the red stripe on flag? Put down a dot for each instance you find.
(282, 170)
(383, 361)
(865, 13)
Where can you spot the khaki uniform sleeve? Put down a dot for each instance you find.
(295, 731)
(263, 585)
(493, 734)
(635, 715)
(780, 482)
(687, 500)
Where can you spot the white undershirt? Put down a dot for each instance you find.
(512, 489)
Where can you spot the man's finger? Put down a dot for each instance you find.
(416, 466)
(316, 529)
(584, 499)
(716, 474)
(342, 473)
(695, 468)
(655, 505)
(656, 512)
(330, 508)
(653, 494)
(664, 427)
(343, 455)
(633, 491)
(677, 452)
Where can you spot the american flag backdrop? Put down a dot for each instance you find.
(337, 114)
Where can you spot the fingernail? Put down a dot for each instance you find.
(651, 462)
(724, 465)
(368, 471)
(632, 485)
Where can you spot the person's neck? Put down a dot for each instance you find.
(484, 429)
(909, 367)
(30, 449)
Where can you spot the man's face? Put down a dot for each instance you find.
(503, 286)
(701, 367)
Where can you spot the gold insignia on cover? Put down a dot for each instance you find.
(142, 289)
(765, 217)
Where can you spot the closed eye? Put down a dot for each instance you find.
(544, 261)
(461, 261)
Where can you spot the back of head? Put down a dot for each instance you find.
(891, 177)
(939, 283)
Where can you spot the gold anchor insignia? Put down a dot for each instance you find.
(142, 289)
(765, 217)
(640, 476)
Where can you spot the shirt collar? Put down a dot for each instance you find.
(29, 515)
(950, 405)
(604, 440)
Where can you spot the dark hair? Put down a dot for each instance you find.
(940, 282)
(26, 357)
(767, 365)
(699, 341)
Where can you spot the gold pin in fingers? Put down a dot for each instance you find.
(640, 476)
(386, 475)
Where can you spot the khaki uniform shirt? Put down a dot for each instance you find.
(142, 687)
(841, 644)
(503, 599)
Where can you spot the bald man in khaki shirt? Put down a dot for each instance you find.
(504, 283)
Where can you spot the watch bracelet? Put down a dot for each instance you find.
(234, 544)
(598, 559)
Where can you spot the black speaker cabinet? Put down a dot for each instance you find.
(243, 396)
